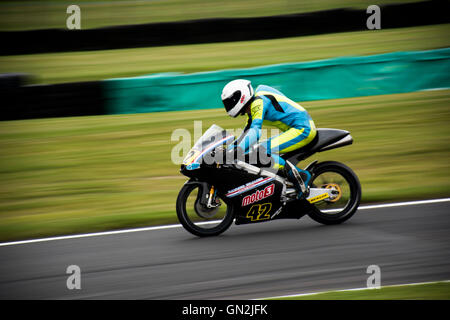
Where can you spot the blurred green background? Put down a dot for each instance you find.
(69, 175)
(42, 14)
(83, 174)
(103, 64)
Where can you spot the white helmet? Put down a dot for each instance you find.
(235, 96)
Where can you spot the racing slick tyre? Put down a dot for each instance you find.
(346, 190)
(197, 218)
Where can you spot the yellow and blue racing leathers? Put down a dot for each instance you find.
(273, 108)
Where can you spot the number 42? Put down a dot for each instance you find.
(259, 212)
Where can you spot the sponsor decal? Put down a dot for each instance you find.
(276, 213)
(242, 98)
(318, 198)
(251, 185)
(258, 195)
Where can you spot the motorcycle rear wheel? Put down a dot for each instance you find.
(198, 223)
(332, 174)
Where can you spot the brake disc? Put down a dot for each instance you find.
(205, 212)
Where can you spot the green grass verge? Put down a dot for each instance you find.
(97, 65)
(42, 14)
(85, 174)
(428, 291)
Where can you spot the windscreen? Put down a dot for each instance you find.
(211, 139)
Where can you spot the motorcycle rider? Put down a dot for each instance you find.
(269, 106)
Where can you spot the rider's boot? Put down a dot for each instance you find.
(298, 179)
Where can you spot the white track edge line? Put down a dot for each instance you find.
(171, 226)
(353, 289)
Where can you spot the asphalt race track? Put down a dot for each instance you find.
(409, 243)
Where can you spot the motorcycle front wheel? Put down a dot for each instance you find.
(197, 218)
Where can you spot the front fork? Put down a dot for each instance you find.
(207, 196)
(212, 203)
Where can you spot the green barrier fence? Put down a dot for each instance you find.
(343, 77)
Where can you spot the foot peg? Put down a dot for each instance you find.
(297, 176)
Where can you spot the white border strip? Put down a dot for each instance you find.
(172, 226)
(397, 204)
(354, 289)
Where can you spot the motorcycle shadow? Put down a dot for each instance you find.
(279, 230)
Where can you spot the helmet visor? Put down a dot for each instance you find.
(231, 101)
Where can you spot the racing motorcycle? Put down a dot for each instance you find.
(220, 192)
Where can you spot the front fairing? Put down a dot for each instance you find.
(200, 153)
